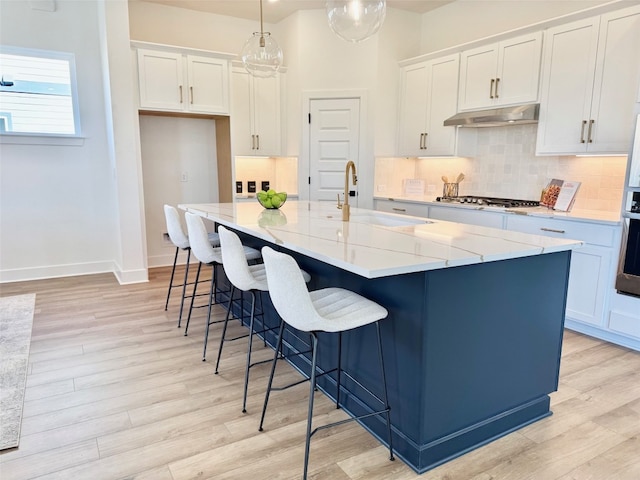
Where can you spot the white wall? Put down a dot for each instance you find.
(57, 203)
(171, 147)
(465, 20)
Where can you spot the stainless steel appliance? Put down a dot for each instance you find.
(490, 201)
(628, 278)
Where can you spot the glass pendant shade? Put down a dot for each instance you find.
(356, 20)
(261, 55)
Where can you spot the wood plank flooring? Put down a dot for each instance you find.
(115, 391)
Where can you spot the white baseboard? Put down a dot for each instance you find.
(132, 276)
(55, 271)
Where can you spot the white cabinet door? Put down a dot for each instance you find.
(255, 114)
(428, 97)
(442, 102)
(591, 72)
(160, 77)
(266, 101)
(499, 74)
(588, 277)
(617, 77)
(413, 109)
(208, 85)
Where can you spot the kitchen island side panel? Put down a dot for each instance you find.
(471, 352)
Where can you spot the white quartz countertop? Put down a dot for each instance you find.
(592, 216)
(375, 244)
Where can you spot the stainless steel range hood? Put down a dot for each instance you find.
(496, 117)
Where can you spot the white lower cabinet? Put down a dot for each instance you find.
(405, 208)
(591, 266)
(470, 216)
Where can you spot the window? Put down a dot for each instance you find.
(38, 93)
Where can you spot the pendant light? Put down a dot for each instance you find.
(261, 55)
(356, 20)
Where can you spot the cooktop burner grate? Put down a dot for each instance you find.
(491, 201)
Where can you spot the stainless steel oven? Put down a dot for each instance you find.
(628, 279)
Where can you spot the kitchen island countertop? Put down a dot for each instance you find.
(377, 244)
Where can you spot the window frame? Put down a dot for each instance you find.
(42, 138)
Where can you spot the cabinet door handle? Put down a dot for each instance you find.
(191, 95)
(421, 141)
(493, 81)
(253, 142)
(589, 139)
(399, 209)
(257, 142)
(553, 230)
(425, 140)
(584, 122)
(180, 87)
(496, 89)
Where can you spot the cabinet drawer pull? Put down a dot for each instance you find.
(584, 122)
(553, 230)
(496, 89)
(180, 87)
(399, 209)
(253, 142)
(257, 142)
(191, 95)
(425, 140)
(589, 139)
(422, 141)
(493, 81)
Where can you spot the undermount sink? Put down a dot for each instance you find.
(386, 220)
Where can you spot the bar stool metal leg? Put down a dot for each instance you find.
(173, 271)
(224, 330)
(184, 286)
(276, 356)
(193, 296)
(312, 387)
(385, 397)
(211, 301)
(248, 366)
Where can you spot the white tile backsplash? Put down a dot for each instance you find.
(505, 166)
(280, 172)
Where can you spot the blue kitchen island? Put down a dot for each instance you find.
(473, 339)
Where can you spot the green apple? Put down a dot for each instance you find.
(276, 201)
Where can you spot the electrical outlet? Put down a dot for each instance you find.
(184, 177)
(381, 188)
(165, 239)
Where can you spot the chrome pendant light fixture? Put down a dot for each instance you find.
(261, 55)
(356, 20)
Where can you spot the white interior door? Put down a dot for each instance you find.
(334, 136)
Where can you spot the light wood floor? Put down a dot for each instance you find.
(115, 391)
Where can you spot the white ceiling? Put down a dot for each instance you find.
(274, 11)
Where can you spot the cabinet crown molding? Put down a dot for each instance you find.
(182, 50)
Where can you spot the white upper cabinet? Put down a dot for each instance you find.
(428, 96)
(589, 83)
(504, 73)
(256, 114)
(177, 82)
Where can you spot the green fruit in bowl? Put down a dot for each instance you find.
(271, 199)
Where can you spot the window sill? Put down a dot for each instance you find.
(35, 139)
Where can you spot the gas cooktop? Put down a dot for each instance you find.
(490, 201)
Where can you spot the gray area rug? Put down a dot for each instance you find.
(16, 319)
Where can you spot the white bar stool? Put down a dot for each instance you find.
(247, 278)
(181, 242)
(205, 253)
(326, 310)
